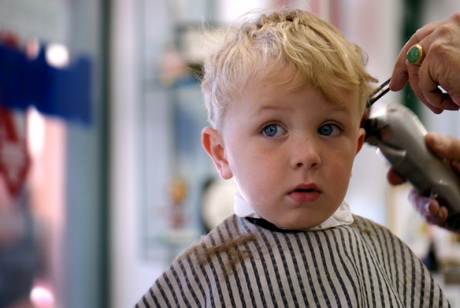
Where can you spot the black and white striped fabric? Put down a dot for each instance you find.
(243, 264)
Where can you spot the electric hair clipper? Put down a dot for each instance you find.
(399, 136)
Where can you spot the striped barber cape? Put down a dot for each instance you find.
(247, 264)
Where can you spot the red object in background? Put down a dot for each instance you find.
(9, 38)
(14, 156)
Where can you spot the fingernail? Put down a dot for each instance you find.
(426, 206)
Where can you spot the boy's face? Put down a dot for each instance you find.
(291, 153)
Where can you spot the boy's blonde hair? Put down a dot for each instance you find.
(316, 51)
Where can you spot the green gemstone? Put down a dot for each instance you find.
(413, 55)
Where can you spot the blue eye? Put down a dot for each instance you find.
(329, 130)
(272, 130)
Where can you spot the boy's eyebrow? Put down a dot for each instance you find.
(278, 107)
(272, 107)
(268, 108)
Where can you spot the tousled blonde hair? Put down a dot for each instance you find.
(316, 52)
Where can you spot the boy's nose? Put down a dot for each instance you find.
(306, 155)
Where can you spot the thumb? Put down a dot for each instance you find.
(444, 146)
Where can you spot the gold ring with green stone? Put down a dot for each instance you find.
(415, 55)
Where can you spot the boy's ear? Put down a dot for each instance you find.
(361, 138)
(214, 146)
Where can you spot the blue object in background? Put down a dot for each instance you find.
(62, 92)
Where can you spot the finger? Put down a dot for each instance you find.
(439, 101)
(439, 217)
(456, 167)
(443, 214)
(413, 72)
(426, 87)
(429, 74)
(394, 178)
(432, 208)
(435, 109)
(421, 82)
(429, 208)
(400, 76)
(421, 203)
(446, 147)
(455, 97)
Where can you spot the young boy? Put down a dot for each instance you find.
(285, 96)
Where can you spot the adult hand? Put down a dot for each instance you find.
(447, 148)
(440, 66)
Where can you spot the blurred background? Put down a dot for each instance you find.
(102, 176)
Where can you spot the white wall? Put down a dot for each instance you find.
(131, 277)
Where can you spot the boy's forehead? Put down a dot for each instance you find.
(341, 98)
(291, 79)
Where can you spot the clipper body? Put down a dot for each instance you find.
(399, 136)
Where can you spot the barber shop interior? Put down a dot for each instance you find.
(116, 184)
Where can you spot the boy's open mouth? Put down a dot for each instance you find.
(305, 193)
(306, 188)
